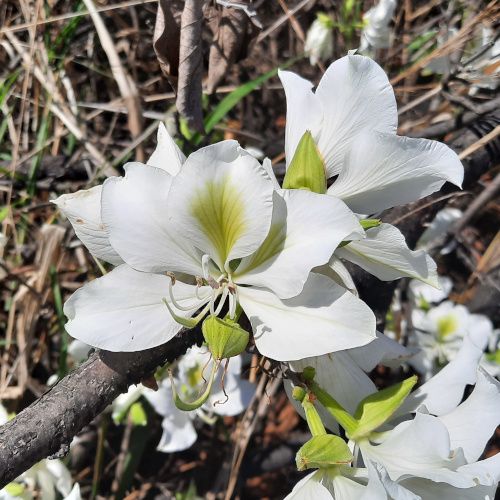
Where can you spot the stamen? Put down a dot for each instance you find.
(221, 302)
(176, 304)
(232, 305)
(215, 294)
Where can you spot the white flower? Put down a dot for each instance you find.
(218, 222)
(352, 117)
(319, 39)
(79, 350)
(179, 432)
(46, 477)
(443, 449)
(423, 294)
(436, 230)
(376, 32)
(440, 331)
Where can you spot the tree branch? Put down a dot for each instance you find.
(47, 426)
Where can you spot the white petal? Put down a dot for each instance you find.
(161, 400)
(75, 493)
(310, 488)
(382, 486)
(83, 210)
(167, 154)
(340, 376)
(420, 448)
(355, 95)
(439, 226)
(124, 310)
(421, 291)
(222, 201)
(382, 350)
(61, 474)
(303, 111)
(385, 170)
(123, 402)
(134, 209)
(384, 254)
(339, 273)
(268, 167)
(347, 489)
(426, 488)
(79, 350)
(323, 318)
(305, 230)
(487, 471)
(178, 432)
(443, 392)
(472, 423)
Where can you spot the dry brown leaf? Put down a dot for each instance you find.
(166, 38)
(230, 43)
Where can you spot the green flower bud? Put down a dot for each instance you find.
(308, 373)
(307, 169)
(376, 409)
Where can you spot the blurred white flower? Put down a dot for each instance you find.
(423, 295)
(377, 33)
(319, 39)
(42, 481)
(438, 227)
(178, 430)
(439, 333)
(79, 350)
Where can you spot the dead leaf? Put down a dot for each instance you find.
(229, 44)
(166, 38)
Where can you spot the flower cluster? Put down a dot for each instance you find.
(215, 240)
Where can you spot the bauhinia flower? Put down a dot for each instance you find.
(191, 236)
(439, 333)
(438, 455)
(424, 295)
(376, 33)
(352, 117)
(231, 398)
(319, 39)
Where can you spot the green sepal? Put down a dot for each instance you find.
(201, 400)
(336, 410)
(225, 337)
(137, 414)
(376, 409)
(323, 451)
(307, 169)
(369, 223)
